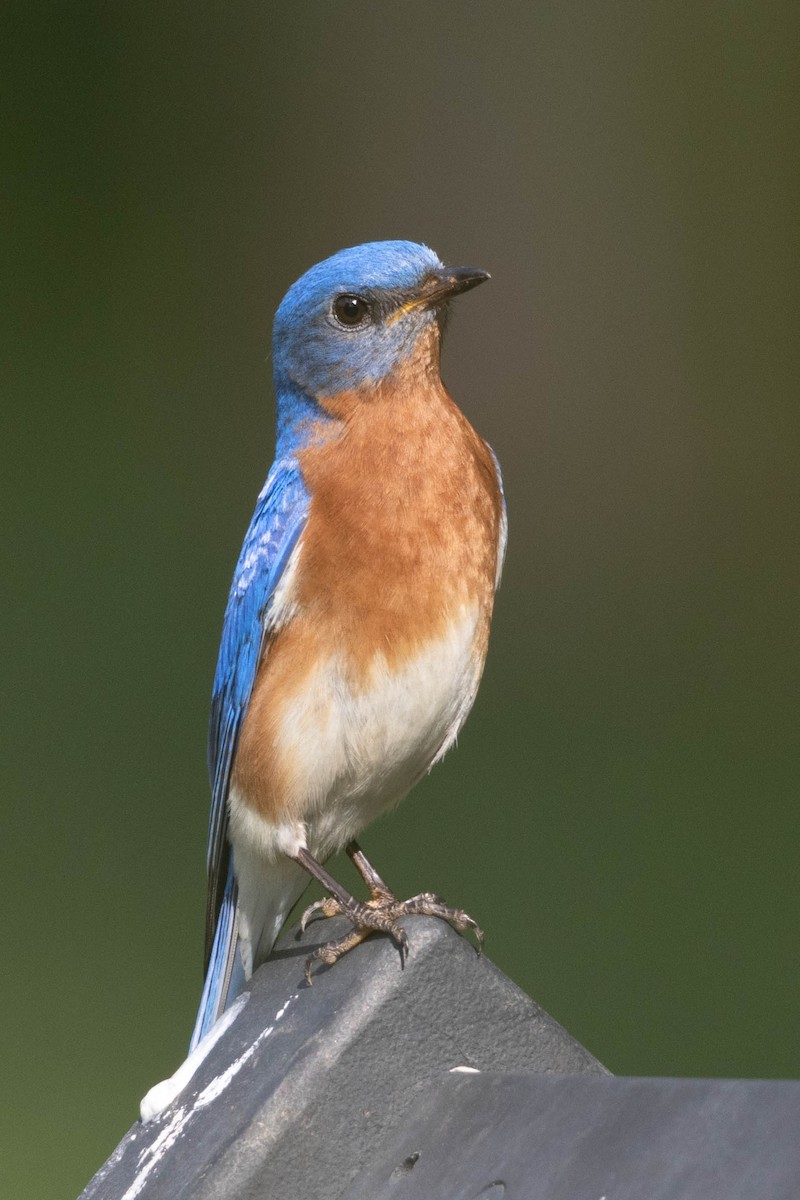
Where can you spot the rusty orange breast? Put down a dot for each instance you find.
(404, 523)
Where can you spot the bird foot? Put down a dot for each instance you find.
(382, 914)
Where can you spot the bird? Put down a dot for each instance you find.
(357, 624)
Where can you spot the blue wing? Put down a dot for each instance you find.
(277, 523)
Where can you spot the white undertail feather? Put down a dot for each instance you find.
(268, 890)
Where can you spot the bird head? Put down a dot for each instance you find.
(350, 320)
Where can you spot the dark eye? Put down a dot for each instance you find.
(350, 310)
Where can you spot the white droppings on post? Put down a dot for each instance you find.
(217, 1086)
(152, 1155)
(160, 1096)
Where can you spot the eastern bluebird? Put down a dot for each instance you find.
(358, 620)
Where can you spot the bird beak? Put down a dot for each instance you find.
(440, 286)
(450, 281)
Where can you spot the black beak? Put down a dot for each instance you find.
(447, 282)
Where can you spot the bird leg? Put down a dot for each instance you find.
(381, 913)
(367, 872)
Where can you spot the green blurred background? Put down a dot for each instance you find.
(621, 813)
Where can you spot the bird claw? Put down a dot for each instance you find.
(329, 907)
(429, 905)
(381, 914)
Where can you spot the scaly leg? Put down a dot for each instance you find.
(381, 913)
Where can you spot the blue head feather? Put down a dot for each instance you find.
(314, 355)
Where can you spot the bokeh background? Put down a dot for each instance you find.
(621, 812)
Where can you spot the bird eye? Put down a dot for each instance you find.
(350, 310)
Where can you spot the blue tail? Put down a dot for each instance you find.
(225, 976)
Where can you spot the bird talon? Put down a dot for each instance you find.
(479, 938)
(328, 907)
(381, 913)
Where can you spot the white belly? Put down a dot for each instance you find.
(356, 752)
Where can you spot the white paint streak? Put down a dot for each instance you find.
(281, 1011)
(219, 1085)
(161, 1095)
(464, 1071)
(152, 1155)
